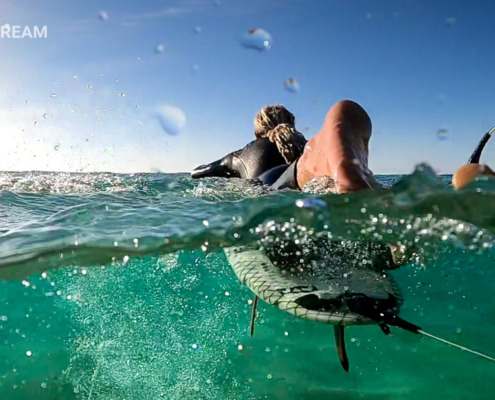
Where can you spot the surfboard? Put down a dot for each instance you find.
(333, 294)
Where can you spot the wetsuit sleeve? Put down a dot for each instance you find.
(287, 178)
(223, 168)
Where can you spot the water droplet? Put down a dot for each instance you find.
(122, 94)
(159, 48)
(89, 86)
(137, 105)
(227, 294)
(292, 85)
(240, 347)
(171, 119)
(258, 39)
(269, 376)
(197, 30)
(35, 123)
(29, 353)
(43, 385)
(206, 223)
(442, 134)
(216, 3)
(450, 22)
(44, 115)
(195, 68)
(56, 147)
(116, 81)
(368, 16)
(103, 16)
(286, 333)
(194, 346)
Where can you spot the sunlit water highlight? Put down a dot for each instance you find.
(116, 287)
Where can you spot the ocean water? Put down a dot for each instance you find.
(117, 287)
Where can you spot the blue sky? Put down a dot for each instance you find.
(412, 72)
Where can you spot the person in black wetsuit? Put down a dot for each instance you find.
(277, 144)
(337, 155)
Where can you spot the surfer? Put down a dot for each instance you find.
(277, 143)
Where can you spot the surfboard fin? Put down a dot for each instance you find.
(340, 343)
(253, 315)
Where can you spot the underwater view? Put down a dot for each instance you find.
(117, 287)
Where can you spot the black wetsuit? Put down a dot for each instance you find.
(260, 160)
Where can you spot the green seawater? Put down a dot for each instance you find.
(117, 287)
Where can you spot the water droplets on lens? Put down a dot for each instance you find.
(257, 39)
(292, 85)
(443, 134)
(450, 22)
(159, 48)
(103, 16)
(171, 119)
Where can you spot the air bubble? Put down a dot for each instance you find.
(258, 39)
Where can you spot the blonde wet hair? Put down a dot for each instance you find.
(278, 125)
